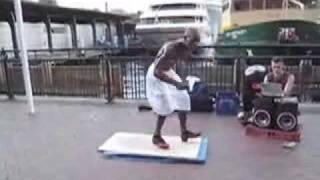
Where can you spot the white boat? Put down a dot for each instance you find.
(61, 35)
(167, 19)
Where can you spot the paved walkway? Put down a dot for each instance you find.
(59, 143)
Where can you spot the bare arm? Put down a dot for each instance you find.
(289, 85)
(265, 80)
(160, 74)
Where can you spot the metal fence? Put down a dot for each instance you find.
(105, 76)
(129, 75)
(57, 78)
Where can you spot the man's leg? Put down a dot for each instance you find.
(185, 134)
(183, 121)
(247, 108)
(160, 122)
(157, 139)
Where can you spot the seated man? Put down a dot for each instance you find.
(252, 87)
(270, 110)
(279, 75)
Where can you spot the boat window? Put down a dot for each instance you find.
(59, 30)
(147, 20)
(174, 6)
(184, 19)
(200, 19)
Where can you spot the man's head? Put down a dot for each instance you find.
(277, 66)
(191, 37)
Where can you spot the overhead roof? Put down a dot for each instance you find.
(36, 12)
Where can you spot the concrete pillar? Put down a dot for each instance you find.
(250, 5)
(264, 4)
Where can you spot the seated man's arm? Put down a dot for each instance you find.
(266, 80)
(289, 85)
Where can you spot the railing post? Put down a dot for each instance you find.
(102, 77)
(4, 56)
(47, 79)
(239, 67)
(109, 80)
(301, 93)
(305, 75)
(236, 72)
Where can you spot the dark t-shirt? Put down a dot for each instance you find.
(283, 79)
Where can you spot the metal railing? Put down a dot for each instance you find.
(64, 53)
(103, 75)
(128, 75)
(57, 77)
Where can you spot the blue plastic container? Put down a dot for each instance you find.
(227, 103)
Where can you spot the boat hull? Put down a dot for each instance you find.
(268, 33)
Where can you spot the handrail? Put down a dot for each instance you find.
(234, 45)
(298, 3)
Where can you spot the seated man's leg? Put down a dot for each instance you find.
(247, 109)
(247, 103)
(185, 133)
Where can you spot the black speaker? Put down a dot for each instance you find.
(263, 112)
(286, 116)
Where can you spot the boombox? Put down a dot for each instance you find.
(253, 77)
(279, 113)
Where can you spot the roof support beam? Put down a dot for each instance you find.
(94, 32)
(11, 21)
(47, 22)
(73, 27)
(108, 32)
(120, 33)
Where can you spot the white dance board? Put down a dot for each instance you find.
(140, 145)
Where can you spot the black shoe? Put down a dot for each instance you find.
(188, 134)
(160, 142)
